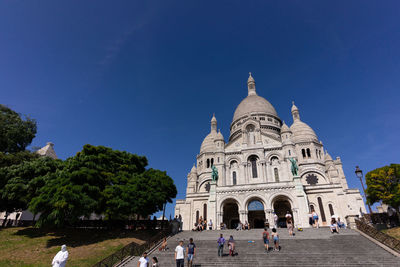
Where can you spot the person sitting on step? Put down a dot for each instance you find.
(334, 227)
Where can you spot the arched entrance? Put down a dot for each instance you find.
(231, 214)
(256, 215)
(281, 206)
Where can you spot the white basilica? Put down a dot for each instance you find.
(255, 178)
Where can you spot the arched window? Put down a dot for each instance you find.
(316, 153)
(274, 160)
(320, 154)
(308, 153)
(321, 209)
(303, 152)
(331, 209)
(205, 211)
(212, 161)
(197, 216)
(234, 178)
(289, 152)
(253, 162)
(208, 163)
(276, 173)
(255, 205)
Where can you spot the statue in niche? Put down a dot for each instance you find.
(294, 168)
(214, 174)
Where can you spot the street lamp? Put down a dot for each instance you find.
(359, 174)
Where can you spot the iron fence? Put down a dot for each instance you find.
(132, 249)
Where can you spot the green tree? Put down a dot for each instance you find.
(383, 184)
(19, 183)
(15, 132)
(104, 181)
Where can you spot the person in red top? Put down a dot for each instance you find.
(265, 236)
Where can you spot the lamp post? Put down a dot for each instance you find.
(359, 174)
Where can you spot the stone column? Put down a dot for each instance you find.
(244, 164)
(270, 217)
(212, 202)
(242, 216)
(302, 201)
(264, 176)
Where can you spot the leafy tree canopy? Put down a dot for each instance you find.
(104, 181)
(19, 183)
(383, 184)
(15, 132)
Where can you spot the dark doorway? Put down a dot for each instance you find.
(231, 215)
(281, 207)
(256, 215)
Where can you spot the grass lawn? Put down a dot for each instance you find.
(27, 246)
(394, 232)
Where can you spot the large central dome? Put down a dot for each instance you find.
(253, 103)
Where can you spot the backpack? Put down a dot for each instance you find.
(265, 235)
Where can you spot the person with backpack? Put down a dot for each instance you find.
(265, 236)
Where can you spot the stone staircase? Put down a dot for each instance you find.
(312, 247)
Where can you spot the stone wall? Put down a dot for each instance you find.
(378, 235)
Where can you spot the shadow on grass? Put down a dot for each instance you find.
(82, 237)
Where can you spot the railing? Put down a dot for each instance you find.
(132, 249)
(383, 238)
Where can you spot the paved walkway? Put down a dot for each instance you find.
(312, 247)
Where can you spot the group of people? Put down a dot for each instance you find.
(275, 238)
(145, 262)
(231, 245)
(241, 226)
(202, 225)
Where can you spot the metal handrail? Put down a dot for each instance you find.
(132, 249)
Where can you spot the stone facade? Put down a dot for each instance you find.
(255, 179)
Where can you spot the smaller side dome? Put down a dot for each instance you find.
(219, 137)
(285, 128)
(302, 132)
(328, 157)
(193, 170)
(208, 144)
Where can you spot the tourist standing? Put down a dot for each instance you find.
(180, 255)
(289, 224)
(275, 237)
(231, 245)
(143, 261)
(164, 245)
(60, 259)
(155, 262)
(315, 219)
(265, 236)
(221, 242)
(210, 225)
(190, 251)
(246, 226)
(276, 220)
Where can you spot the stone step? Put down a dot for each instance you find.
(311, 247)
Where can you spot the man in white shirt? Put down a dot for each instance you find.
(143, 261)
(210, 225)
(180, 255)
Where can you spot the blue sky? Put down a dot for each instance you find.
(146, 76)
